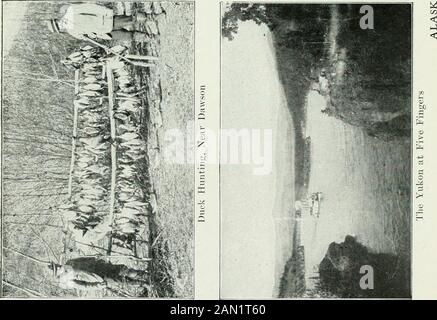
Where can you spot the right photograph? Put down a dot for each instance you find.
(315, 175)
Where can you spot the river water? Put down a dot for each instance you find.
(366, 186)
(365, 181)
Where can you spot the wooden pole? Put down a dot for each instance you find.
(110, 79)
(91, 245)
(115, 256)
(73, 138)
(122, 57)
(139, 57)
(76, 81)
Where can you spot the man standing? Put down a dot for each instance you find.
(88, 20)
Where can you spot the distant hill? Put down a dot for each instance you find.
(292, 283)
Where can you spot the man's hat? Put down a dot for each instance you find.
(53, 25)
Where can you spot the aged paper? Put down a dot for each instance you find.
(218, 149)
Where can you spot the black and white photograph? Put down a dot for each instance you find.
(316, 101)
(94, 203)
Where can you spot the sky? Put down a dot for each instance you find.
(252, 97)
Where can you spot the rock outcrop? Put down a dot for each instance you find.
(340, 271)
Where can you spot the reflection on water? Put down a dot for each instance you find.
(365, 183)
(344, 264)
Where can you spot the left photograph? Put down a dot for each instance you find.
(97, 196)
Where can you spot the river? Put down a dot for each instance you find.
(365, 184)
(365, 181)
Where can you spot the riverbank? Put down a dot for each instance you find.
(365, 183)
(357, 153)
